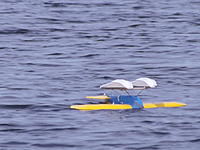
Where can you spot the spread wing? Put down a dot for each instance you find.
(125, 106)
(98, 97)
(101, 106)
(163, 104)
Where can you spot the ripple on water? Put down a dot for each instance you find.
(54, 53)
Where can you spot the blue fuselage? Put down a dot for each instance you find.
(134, 101)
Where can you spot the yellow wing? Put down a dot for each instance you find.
(125, 106)
(163, 104)
(98, 97)
(101, 106)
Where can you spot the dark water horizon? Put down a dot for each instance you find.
(54, 53)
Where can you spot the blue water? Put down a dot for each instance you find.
(54, 53)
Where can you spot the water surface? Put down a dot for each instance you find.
(54, 53)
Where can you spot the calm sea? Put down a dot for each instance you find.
(54, 53)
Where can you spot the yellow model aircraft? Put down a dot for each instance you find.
(126, 101)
